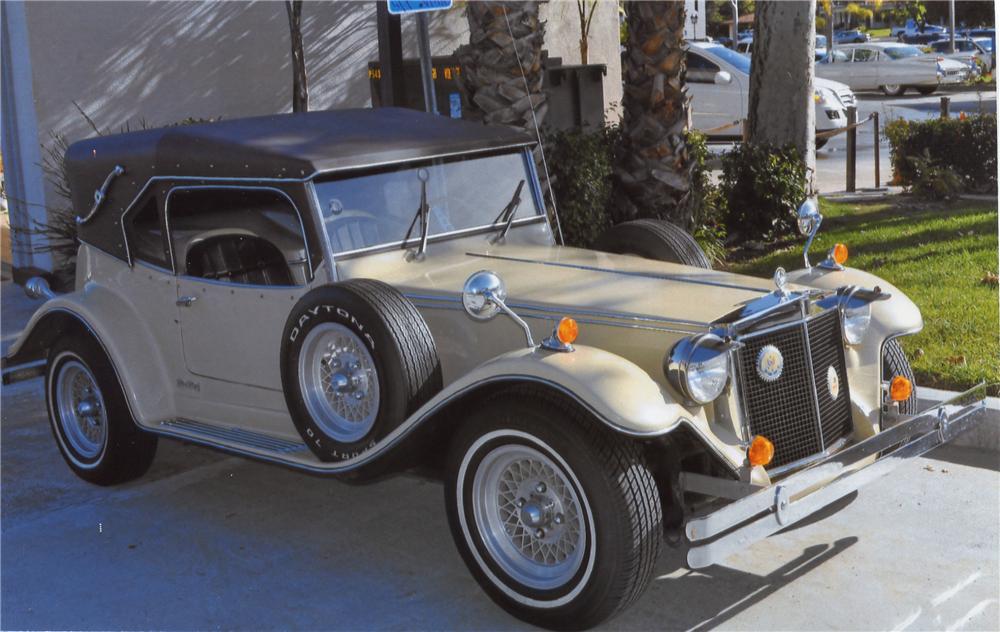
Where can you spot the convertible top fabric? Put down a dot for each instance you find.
(275, 148)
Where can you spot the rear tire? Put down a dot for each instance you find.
(653, 239)
(90, 419)
(557, 517)
(894, 90)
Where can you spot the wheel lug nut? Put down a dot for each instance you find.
(558, 519)
(539, 533)
(540, 488)
(519, 502)
(358, 395)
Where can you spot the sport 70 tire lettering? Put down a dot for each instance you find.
(356, 359)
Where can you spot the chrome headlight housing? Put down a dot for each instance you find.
(857, 318)
(698, 367)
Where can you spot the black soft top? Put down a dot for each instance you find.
(280, 146)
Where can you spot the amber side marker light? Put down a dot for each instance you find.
(840, 253)
(900, 389)
(761, 451)
(567, 331)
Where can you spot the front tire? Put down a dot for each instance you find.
(557, 517)
(894, 362)
(894, 90)
(90, 419)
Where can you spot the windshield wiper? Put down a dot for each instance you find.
(423, 214)
(507, 214)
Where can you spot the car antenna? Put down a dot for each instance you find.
(538, 133)
(423, 214)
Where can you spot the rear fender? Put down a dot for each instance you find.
(101, 313)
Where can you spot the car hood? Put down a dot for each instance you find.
(572, 281)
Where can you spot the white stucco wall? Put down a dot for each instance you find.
(125, 63)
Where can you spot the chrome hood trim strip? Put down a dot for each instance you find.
(648, 275)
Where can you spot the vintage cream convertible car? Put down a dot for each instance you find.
(360, 292)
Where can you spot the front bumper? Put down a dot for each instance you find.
(716, 536)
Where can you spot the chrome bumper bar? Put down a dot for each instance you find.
(732, 528)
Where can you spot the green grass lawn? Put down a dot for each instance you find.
(938, 254)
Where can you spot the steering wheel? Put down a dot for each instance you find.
(347, 227)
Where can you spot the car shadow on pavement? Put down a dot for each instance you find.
(706, 598)
(963, 455)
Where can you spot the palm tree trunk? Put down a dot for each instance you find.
(654, 171)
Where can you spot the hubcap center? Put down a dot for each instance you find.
(88, 408)
(533, 514)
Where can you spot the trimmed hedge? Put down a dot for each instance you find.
(966, 145)
(762, 186)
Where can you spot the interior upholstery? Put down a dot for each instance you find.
(238, 258)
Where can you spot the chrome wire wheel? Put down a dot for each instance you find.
(80, 407)
(339, 382)
(529, 516)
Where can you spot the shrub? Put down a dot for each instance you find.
(965, 146)
(761, 188)
(705, 201)
(933, 180)
(580, 167)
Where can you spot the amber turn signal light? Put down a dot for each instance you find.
(761, 451)
(840, 253)
(567, 331)
(900, 389)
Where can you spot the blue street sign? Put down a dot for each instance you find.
(398, 7)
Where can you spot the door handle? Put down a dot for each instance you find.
(185, 301)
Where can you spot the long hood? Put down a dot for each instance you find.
(574, 281)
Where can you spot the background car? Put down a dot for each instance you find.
(822, 47)
(890, 67)
(719, 83)
(851, 36)
(915, 32)
(967, 51)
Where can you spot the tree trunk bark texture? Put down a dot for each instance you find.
(300, 86)
(491, 76)
(654, 170)
(781, 110)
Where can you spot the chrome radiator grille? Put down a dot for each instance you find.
(797, 411)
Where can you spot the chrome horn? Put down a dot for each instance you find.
(37, 287)
(809, 219)
(483, 297)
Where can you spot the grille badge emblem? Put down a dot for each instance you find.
(833, 381)
(770, 363)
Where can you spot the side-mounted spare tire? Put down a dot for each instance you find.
(653, 239)
(357, 359)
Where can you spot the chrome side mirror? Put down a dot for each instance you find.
(723, 78)
(37, 287)
(483, 297)
(809, 219)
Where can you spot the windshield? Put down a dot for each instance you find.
(378, 208)
(821, 41)
(731, 57)
(986, 43)
(902, 52)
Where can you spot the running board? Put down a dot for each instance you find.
(236, 439)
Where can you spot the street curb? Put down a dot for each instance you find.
(862, 195)
(984, 435)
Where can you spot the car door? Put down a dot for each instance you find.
(712, 104)
(865, 66)
(836, 66)
(241, 259)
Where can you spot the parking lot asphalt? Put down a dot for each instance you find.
(209, 541)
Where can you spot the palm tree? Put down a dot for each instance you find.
(499, 33)
(654, 170)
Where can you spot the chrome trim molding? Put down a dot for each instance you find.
(648, 275)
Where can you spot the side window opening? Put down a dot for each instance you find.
(700, 70)
(145, 235)
(241, 236)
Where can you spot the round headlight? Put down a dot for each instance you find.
(699, 367)
(856, 321)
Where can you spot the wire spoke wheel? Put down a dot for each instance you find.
(339, 381)
(529, 516)
(81, 409)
